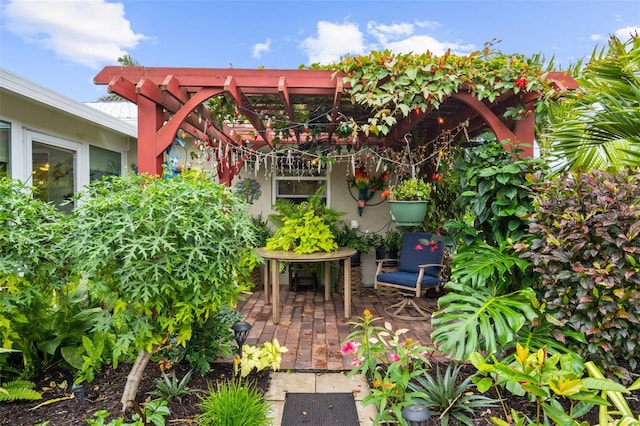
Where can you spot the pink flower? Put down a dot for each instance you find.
(395, 357)
(349, 348)
(419, 247)
(356, 362)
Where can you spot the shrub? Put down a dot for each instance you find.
(585, 246)
(233, 403)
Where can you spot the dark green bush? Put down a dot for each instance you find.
(585, 245)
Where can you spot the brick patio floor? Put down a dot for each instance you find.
(313, 329)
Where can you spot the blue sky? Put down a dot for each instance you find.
(63, 44)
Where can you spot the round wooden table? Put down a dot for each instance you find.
(273, 257)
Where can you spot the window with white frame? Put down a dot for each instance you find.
(5, 144)
(297, 179)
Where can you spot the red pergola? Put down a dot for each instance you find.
(173, 99)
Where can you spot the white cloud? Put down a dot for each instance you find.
(625, 33)
(333, 41)
(385, 33)
(421, 43)
(595, 37)
(259, 48)
(88, 32)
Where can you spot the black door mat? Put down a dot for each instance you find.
(320, 409)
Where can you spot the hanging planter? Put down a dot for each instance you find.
(408, 213)
(408, 201)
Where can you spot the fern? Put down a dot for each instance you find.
(18, 390)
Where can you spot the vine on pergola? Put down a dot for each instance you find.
(395, 85)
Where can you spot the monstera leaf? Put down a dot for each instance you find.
(473, 319)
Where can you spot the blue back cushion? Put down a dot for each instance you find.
(414, 253)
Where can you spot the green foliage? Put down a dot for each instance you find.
(349, 237)
(168, 387)
(495, 195)
(585, 246)
(445, 394)
(477, 313)
(623, 410)
(393, 85)
(163, 255)
(545, 380)
(412, 189)
(18, 390)
(44, 313)
(233, 403)
(154, 413)
(597, 126)
(307, 227)
(262, 230)
(389, 361)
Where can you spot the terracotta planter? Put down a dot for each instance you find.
(408, 213)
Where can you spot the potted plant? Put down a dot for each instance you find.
(389, 247)
(349, 237)
(408, 201)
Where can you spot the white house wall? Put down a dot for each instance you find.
(35, 113)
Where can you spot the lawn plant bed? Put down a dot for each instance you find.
(105, 391)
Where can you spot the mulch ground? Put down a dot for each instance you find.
(104, 394)
(105, 391)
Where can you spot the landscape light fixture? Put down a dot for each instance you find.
(416, 415)
(240, 331)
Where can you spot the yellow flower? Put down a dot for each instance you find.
(376, 383)
(367, 313)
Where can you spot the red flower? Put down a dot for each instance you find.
(521, 83)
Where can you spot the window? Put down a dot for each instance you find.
(5, 143)
(297, 179)
(104, 162)
(53, 174)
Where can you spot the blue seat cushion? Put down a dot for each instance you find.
(407, 279)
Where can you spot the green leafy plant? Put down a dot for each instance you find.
(162, 255)
(168, 387)
(412, 189)
(390, 363)
(258, 358)
(154, 412)
(18, 390)
(448, 396)
(349, 237)
(30, 273)
(307, 227)
(545, 380)
(606, 416)
(392, 86)
(495, 193)
(233, 403)
(477, 313)
(585, 246)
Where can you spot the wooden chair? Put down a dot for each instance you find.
(418, 269)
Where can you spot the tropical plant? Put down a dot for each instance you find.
(411, 189)
(585, 247)
(477, 313)
(307, 227)
(496, 193)
(597, 126)
(169, 388)
(605, 415)
(162, 255)
(349, 237)
(390, 363)
(234, 403)
(449, 396)
(546, 380)
(258, 358)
